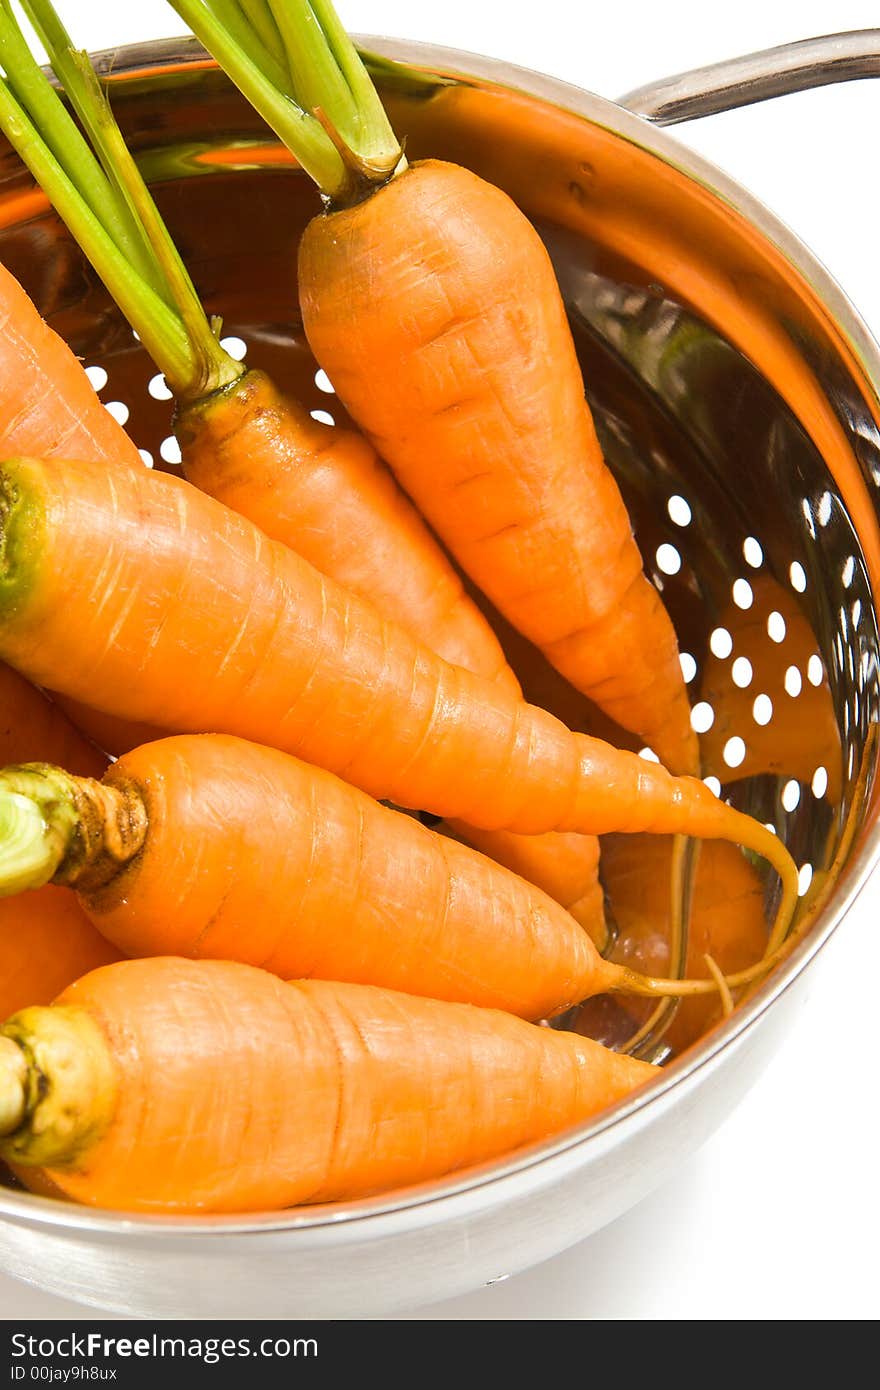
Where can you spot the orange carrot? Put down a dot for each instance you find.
(208, 846)
(563, 865)
(46, 940)
(191, 617)
(48, 405)
(320, 489)
(479, 409)
(211, 1086)
(431, 302)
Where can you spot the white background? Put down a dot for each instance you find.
(777, 1216)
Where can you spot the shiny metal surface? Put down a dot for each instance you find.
(726, 369)
(773, 72)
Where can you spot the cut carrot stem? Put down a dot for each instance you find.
(46, 939)
(277, 653)
(211, 1086)
(58, 1094)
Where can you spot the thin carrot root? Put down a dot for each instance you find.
(647, 1041)
(723, 987)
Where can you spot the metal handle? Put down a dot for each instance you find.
(774, 72)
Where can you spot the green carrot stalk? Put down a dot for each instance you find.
(131, 250)
(336, 126)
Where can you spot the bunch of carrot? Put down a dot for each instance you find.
(299, 646)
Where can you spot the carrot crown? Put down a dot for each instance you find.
(295, 64)
(58, 828)
(58, 1085)
(93, 182)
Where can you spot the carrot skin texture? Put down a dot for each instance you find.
(239, 1092)
(48, 406)
(192, 617)
(322, 490)
(251, 855)
(34, 729)
(479, 410)
(562, 864)
(46, 939)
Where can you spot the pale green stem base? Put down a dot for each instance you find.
(38, 820)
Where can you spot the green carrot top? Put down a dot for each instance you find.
(94, 184)
(294, 62)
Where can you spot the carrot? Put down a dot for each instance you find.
(431, 302)
(46, 940)
(320, 489)
(208, 846)
(212, 1086)
(191, 616)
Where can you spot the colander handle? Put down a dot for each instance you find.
(773, 72)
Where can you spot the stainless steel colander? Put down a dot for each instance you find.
(736, 394)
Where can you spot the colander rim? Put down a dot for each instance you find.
(179, 54)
